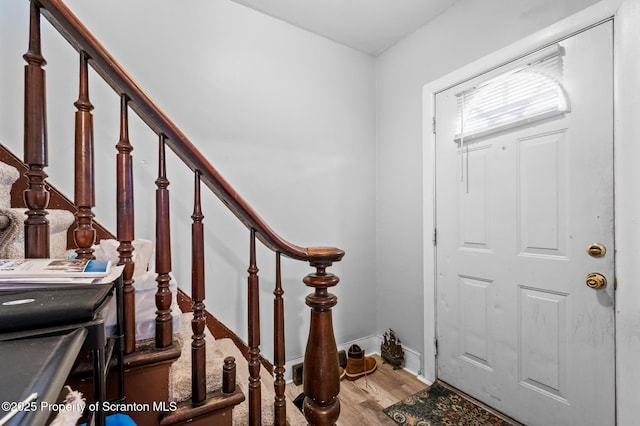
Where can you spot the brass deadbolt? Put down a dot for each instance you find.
(596, 250)
(596, 281)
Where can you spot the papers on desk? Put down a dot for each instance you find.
(53, 268)
(68, 273)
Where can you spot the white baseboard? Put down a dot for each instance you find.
(371, 345)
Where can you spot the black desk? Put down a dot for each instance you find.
(67, 313)
(36, 365)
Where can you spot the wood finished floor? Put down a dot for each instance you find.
(362, 400)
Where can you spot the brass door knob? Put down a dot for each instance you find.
(596, 280)
(596, 250)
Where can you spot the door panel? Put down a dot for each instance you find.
(543, 341)
(542, 212)
(517, 326)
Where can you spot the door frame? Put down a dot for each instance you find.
(625, 15)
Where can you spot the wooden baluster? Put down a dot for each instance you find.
(36, 197)
(125, 224)
(164, 326)
(198, 348)
(255, 399)
(279, 403)
(321, 380)
(84, 234)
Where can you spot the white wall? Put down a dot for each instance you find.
(287, 117)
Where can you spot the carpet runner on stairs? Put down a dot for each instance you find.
(217, 350)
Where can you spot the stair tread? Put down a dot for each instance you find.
(144, 355)
(215, 401)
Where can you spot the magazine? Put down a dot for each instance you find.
(53, 269)
(17, 283)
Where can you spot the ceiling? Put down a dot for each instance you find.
(370, 26)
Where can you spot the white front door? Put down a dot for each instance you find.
(518, 327)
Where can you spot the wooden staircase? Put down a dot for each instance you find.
(321, 381)
(146, 364)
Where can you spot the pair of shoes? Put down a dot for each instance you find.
(343, 372)
(359, 365)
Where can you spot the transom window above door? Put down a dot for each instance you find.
(526, 94)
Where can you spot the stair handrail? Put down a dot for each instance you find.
(78, 36)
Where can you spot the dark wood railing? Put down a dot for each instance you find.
(36, 197)
(163, 252)
(84, 189)
(321, 382)
(198, 323)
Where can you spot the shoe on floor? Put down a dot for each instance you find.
(359, 365)
(343, 372)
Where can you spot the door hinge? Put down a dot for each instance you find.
(433, 124)
(435, 346)
(435, 236)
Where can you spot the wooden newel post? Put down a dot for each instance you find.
(320, 373)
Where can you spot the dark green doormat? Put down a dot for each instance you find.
(440, 406)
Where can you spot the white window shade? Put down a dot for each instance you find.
(524, 95)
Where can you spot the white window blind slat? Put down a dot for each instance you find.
(529, 93)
